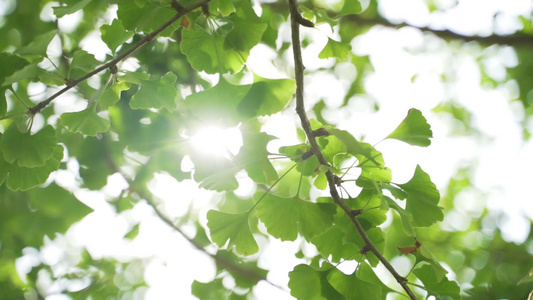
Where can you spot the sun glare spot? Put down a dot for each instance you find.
(216, 141)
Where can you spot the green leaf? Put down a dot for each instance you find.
(82, 61)
(28, 72)
(331, 243)
(86, 121)
(111, 94)
(366, 201)
(225, 7)
(232, 227)
(146, 18)
(215, 172)
(438, 288)
(38, 45)
(115, 35)
(28, 150)
(353, 146)
(405, 216)
(353, 287)
(423, 254)
(23, 178)
(159, 93)
(307, 283)
(213, 53)
(350, 7)
(10, 64)
(266, 97)
(336, 49)
(422, 199)
(414, 130)
(219, 103)
(61, 11)
(253, 156)
(284, 217)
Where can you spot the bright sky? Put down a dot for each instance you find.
(504, 162)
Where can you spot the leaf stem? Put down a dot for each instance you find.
(300, 110)
(272, 186)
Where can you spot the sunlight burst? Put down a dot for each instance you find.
(216, 141)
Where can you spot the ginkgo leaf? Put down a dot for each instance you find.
(232, 227)
(335, 49)
(38, 45)
(23, 178)
(115, 35)
(214, 53)
(28, 72)
(353, 287)
(306, 283)
(414, 130)
(61, 11)
(422, 199)
(266, 97)
(111, 95)
(331, 242)
(10, 64)
(350, 7)
(139, 16)
(225, 7)
(438, 288)
(215, 172)
(26, 149)
(82, 62)
(86, 121)
(159, 93)
(285, 217)
(253, 156)
(423, 254)
(405, 216)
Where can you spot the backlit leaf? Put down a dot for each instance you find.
(159, 93)
(10, 64)
(232, 227)
(115, 35)
(424, 254)
(331, 242)
(306, 283)
(353, 287)
(350, 7)
(422, 199)
(61, 11)
(24, 178)
(253, 156)
(335, 49)
(145, 17)
(26, 149)
(438, 288)
(86, 121)
(38, 45)
(414, 130)
(285, 217)
(266, 97)
(211, 52)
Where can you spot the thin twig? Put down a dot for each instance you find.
(300, 110)
(133, 187)
(112, 63)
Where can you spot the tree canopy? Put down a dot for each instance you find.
(236, 149)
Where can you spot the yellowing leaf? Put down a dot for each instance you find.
(413, 130)
(232, 227)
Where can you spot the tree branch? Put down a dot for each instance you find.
(112, 63)
(219, 260)
(300, 110)
(511, 40)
